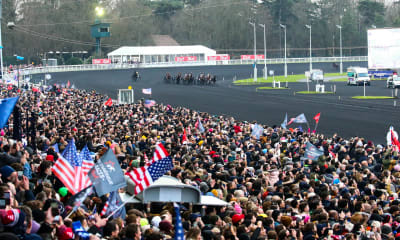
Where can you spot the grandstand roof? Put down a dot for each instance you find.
(161, 50)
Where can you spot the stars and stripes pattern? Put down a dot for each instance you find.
(159, 153)
(143, 177)
(87, 161)
(114, 202)
(146, 159)
(64, 171)
(68, 169)
(105, 208)
(179, 233)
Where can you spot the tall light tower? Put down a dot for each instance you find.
(265, 53)
(341, 56)
(255, 56)
(309, 27)
(284, 28)
(99, 29)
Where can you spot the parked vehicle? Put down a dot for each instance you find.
(358, 76)
(317, 75)
(393, 81)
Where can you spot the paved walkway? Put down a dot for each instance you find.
(326, 79)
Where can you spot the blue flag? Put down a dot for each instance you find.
(283, 125)
(55, 146)
(114, 202)
(257, 131)
(179, 233)
(107, 175)
(80, 231)
(300, 119)
(312, 152)
(6, 107)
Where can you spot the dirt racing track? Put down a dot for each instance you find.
(339, 112)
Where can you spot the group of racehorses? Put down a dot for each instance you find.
(190, 79)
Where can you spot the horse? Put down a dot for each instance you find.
(214, 79)
(178, 78)
(167, 78)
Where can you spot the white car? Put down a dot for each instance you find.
(393, 81)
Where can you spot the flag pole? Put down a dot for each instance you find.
(316, 126)
(122, 205)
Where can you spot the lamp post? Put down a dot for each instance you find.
(284, 28)
(265, 53)
(255, 57)
(309, 27)
(341, 56)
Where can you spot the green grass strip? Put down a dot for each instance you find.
(290, 78)
(373, 97)
(271, 88)
(313, 92)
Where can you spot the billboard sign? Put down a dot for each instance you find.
(101, 61)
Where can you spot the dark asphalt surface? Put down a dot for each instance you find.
(339, 113)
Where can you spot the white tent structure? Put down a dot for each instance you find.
(161, 54)
(169, 189)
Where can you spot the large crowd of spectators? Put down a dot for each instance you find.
(272, 190)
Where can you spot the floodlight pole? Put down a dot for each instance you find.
(255, 56)
(341, 56)
(284, 28)
(309, 27)
(265, 53)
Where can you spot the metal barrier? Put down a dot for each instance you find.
(96, 67)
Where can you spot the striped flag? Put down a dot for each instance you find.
(64, 171)
(68, 169)
(146, 159)
(146, 91)
(179, 233)
(149, 103)
(114, 201)
(87, 161)
(145, 176)
(159, 153)
(105, 208)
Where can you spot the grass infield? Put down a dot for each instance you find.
(271, 88)
(373, 97)
(314, 92)
(282, 79)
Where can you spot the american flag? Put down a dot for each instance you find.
(87, 161)
(145, 176)
(146, 91)
(64, 171)
(179, 233)
(159, 153)
(105, 208)
(149, 103)
(146, 159)
(68, 169)
(114, 201)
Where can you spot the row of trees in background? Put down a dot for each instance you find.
(63, 27)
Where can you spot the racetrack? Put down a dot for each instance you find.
(339, 113)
